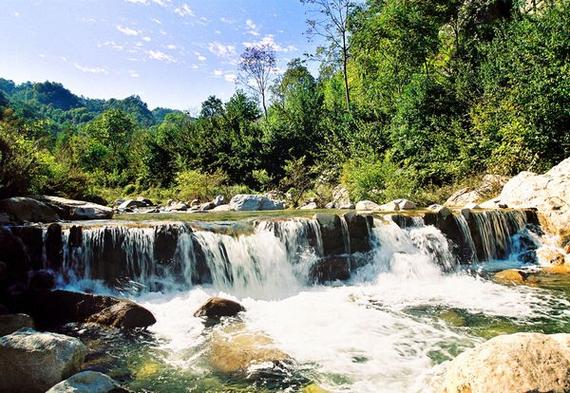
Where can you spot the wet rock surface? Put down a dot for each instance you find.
(33, 362)
(88, 382)
(9, 323)
(55, 308)
(217, 307)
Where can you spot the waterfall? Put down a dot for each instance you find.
(274, 258)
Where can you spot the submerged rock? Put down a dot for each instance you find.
(511, 276)
(217, 307)
(9, 323)
(234, 349)
(250, 202)
(517, 363)
(550, 256)
(331, 268)
(87, 382)
(33, 362)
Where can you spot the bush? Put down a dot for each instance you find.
(193, 184)
(377, 180)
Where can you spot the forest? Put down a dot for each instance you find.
(412, 98)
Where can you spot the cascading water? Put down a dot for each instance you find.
(406, 306)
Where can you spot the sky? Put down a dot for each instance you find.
(172, 53)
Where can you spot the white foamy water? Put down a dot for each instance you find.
(357, 337)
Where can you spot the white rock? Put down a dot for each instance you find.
(397, 205)
(548, 193)
(71, 209)
(85, 382)
(249, 202)
(340, 197)
(517, 363)
(219, 200)
(309, 206)
(222, 208)
(367, 206)
(33, 362)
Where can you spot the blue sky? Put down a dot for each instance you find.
(173, 53)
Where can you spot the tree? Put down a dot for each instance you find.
(331, 23)
(256, 68)
(212, 107)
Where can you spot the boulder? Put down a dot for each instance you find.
(367, 206)
(234, 349)
(55, 308)
(340, 198)
(359, 231)
(513, 276)
(34, 362)
(309, 206)
(23, 209)
(70, 209)
(9, 323)
(331, 268)
(176, 207)
(397, 205)
(222, 208)
(517, 363)
(146, 201)
(249, 202)
(42, 280)
(490, 184)
(550, 256)
(219, 200)
(217, 307)
(206, 206)
(549, 193)
(87, 382)
(332, 234)
(132, 204)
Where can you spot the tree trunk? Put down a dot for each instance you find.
(264, 105)
(345, 71)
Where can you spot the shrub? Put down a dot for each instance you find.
(193, 184)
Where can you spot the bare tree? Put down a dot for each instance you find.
(328, 19)
(256, 67)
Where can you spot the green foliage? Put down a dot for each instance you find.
(377, 180)
(192, 184)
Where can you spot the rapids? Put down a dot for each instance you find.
(408, 306)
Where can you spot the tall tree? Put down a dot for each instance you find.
(328, 19)
(256, 68)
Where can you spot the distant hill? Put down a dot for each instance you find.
(53, 101)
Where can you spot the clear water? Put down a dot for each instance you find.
(410, 309)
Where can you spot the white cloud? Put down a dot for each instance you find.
(221, 50)
(229, 21)
(184, 10)
(133, 74)
(157, 21)
(230, 77)
(16, 14)
(160, 56)
(147, 39)
(138, 1)
(269, 41)
(251, 28)
(91, 70)
(112, 45)
(171, 46)
(127, 30)
(218, 72)
(162, 3)
(195, 66)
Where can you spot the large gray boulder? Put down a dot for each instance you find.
(24, 209)
(490, 185)
(548, 193)
(70, 209)
(517, 363)
(33, 362)
(87, 382)
(9, 323)
(250, 202)
(340, 199)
